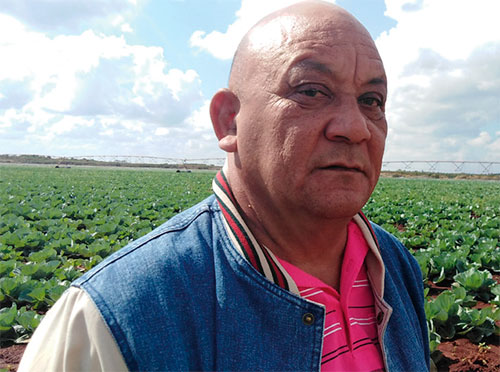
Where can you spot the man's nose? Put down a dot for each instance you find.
(347, 123)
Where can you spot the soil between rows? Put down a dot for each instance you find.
(11, 356)
(457, 356)
(462, 355)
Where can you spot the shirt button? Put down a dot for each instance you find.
(380, 318)
(308, 319)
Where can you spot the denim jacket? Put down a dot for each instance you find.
(183, 298)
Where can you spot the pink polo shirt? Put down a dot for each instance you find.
(350, 341)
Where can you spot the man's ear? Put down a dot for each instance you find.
(223, 109)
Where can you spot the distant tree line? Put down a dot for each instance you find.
(63, 161)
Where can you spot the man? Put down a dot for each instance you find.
(279, 270)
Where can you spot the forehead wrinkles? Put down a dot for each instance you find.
(341, 39)
(273, 47)
(343, 61)
(332, 37)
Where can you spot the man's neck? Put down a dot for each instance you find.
(315, 245)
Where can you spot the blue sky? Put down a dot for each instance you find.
(134, 77)
(160, 24)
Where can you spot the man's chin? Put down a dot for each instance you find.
(334, 210)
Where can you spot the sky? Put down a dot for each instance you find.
(135, 77)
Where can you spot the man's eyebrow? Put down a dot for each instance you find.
(312, 65)
(378, 81)
(321, 67)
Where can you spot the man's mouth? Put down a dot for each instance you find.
(344, 168)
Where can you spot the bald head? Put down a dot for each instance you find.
(273, 35)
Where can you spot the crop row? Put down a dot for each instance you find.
(56, 224)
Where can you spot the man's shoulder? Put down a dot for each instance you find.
(391, 247)
(397, 258)
(385, 238)
(183, 237)
(150, 287)
(185, 218)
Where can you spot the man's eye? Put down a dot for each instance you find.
(370, 101)
(311, 95)
(311, 92)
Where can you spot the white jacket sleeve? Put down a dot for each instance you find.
(72, 337)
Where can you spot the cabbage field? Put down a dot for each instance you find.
(55, 224)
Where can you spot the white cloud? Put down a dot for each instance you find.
(442, 63)
(222, 45)
(120, 23)
(494, 148)
(483, 139)
(452, 27)
(126, 28)
(162, 131)
(71, 94)
(200, 119)
(70, 16)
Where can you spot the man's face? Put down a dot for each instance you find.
(311, 127)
